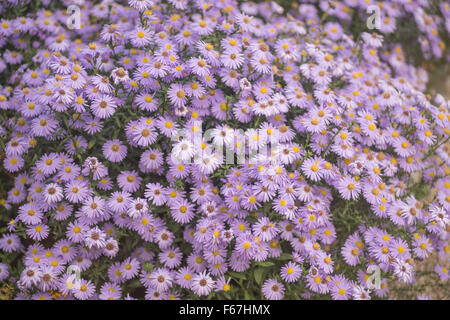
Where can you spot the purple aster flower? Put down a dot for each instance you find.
(177, 95)
(95, 237)
(155, 193)
(30, 276)
(103, 107)
(4, 272)
(442, 271)
(273, 290)
(183, 277)
(53, 193)
(85, 290)
(38, 232)
(162, 279)
(137, 207)
(130, 268)
(182, 211)
(114, 150)
(202, 284)
(291, 272)
(349, 188)
(129, 181)
(265, 229)
(111, 248)
(171, 257)
(340, 288)
(110, 291)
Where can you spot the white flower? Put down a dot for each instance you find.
(183, 151)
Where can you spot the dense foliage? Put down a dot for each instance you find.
(219, 149)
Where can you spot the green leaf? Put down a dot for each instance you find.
(91, 144)
(285, 256)
(237, 275)
(265, 264)
(259, 275)
(134, 284)
(148, 267)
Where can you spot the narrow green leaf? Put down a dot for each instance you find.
(91, 144)
(265, 264)
(237, 275)
(284, 256)
(259, 275)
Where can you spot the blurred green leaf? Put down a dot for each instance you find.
(259, 275)
(91, 144)
(265, 263)
(237, 275)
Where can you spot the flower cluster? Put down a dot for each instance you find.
(113, 199)
(427, 22)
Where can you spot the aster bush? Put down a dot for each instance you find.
(201, 149)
